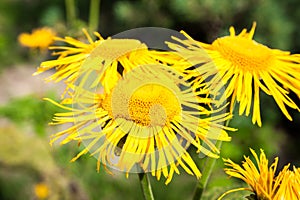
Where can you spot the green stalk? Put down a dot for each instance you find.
(208, 167)
(206, 172)
(70, 12)
(94, 15)
(146, 186)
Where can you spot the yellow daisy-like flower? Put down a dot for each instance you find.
(39, 38)
(137, 112)
(71, 57)
(263, 180)
(290, 185)
(246, 67)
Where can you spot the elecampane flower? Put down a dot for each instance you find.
(39, 38)
(248, 67)
(70, 57)
(290, 184)
(116, 54)
(263, 180)
(142, 114)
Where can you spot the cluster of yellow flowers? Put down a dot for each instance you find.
(138, 109)
(136, 106)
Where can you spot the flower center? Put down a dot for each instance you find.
(148, 105)
(244, 53)
(113, 49)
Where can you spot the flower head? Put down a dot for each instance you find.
(138, 110)
(39, 38)
(263, 180)
(247, 67)
(118, 56)
(70, 57)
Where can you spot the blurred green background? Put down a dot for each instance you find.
(26, 159)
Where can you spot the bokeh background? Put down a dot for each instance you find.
(28, 163)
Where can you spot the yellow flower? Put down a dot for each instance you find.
(246, 67)
(263, 180)
(137, 111)
(39, 38)
(290, 185)
(116, 54)
(41, 191)
(69, 59)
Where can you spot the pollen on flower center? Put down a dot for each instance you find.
(153, 105)
(244, 53)
(148, 105)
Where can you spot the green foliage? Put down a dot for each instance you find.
(14, 184)
(207, 19)
(250, 136)
(216, 192)
(32, 110)
(252, 197)
(26, 160)
(203, 19)
(52, 16)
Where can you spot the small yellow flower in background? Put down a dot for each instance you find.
(136, 110)
(40, 38)
(247, 67)
(263, 180)
(41, 191)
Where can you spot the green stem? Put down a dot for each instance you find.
(208, 168)
(94, 15)
(70, 12)
(146, 186)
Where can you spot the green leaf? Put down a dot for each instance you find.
(251, 197)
